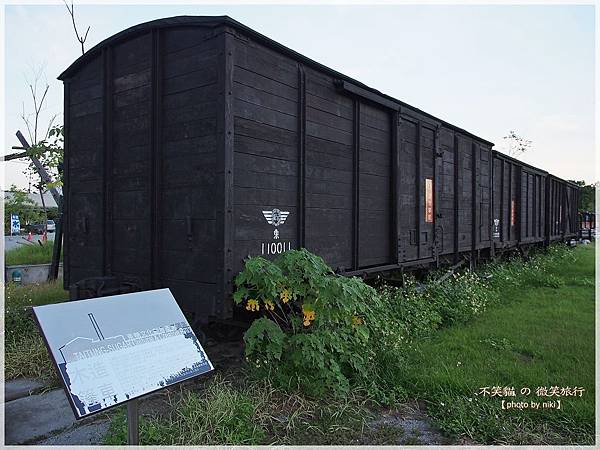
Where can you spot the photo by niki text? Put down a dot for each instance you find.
(544, 397)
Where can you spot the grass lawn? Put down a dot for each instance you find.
(29, 254)
(537, 337)
(25, 352)
(539, 334)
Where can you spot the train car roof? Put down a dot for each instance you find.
(517, 161)
(215, 21)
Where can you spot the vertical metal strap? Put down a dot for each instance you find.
(527, 206)
(108, 153)
(502, 201)
(456, 197)
(418, 190)
(519, 212)
(355, 182)
(547, 209)
(228, 166)
(492, 205)
(395, 186)
(301, 155)
(491, 198)
(436, 169)
(156, 159)
(534, 206)
(563, 202)
(510, 201)
(474, 196)
(66, 186)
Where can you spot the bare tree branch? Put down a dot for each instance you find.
(81, 40)
(516, 144)
(50, 124)
(27, 123)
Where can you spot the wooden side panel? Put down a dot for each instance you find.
(465, 194)
(375, 195)
(130, 155)
(445, 188)
(531, 198)
(513, 211)
(571, 208)
(329, 171)
(427, 220)
(265, 110)
(484, 197)
(507, 195)
(555, 209)
(541, 185)
(84, 164)
(498, 200)
(141, 165)
(186, 98)
(407, 197)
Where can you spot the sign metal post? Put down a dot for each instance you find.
(133, 424)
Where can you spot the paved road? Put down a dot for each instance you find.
(40, 417)
(11, 242)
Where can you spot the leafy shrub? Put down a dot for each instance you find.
(319, 332)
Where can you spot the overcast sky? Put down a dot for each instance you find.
(487, 69)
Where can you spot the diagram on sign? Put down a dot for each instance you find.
(88, 366)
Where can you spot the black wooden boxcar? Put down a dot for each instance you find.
(519, 202)
(193, 142)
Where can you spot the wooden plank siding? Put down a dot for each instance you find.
(84, 230)
(186, 167)
(329, 172)
(265, 149)
(375, 196)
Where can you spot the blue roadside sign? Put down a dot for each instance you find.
(15, 224)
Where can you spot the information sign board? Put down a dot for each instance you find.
(109, 350)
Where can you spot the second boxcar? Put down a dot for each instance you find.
(519, 203)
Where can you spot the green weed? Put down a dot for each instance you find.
(25, 352)
(30, 254)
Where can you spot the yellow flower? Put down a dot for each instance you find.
(356, 321)
(269, 305)
(252, 305)
(309, 315)
(285, 296)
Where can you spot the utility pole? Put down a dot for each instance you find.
(58, 235)
(39, 167)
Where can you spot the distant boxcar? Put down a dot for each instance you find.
(194, 142)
